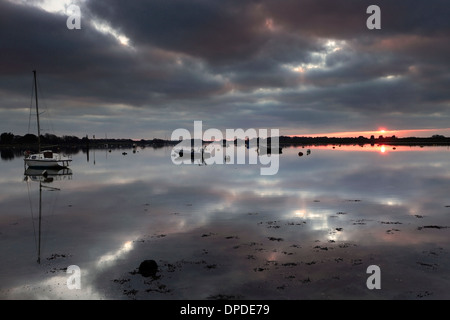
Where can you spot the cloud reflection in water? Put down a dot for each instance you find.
(308, 232)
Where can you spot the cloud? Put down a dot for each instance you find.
(256, 63)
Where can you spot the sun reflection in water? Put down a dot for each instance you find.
(320, 222)
(113, 256)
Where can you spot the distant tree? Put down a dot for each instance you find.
(29, 138)
(50, 138)
(70, 139)
(85, 140)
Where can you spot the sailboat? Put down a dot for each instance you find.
(44, 158)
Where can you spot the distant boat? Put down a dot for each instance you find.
(46, 158)
(194, 155)
(269, 150)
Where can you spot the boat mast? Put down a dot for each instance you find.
(37, 112)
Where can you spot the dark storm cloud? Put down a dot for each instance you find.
(35, 39)
(219, 31)
(264, 63)
(32, 37)
(89, 65)
(343, 19)
(232, 36)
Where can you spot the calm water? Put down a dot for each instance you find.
(225, 231)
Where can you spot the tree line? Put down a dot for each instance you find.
(8, 138)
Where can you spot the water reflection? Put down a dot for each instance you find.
(310, 231)
(47, 175)
(6, 154)
(44, 177)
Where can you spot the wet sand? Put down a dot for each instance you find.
(227, 261)
(256, 257)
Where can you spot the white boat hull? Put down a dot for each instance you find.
(46, 163)
(47, 159)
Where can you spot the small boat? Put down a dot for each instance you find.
(46, 158)
(269, 150)
(195, 154)
(184, 155)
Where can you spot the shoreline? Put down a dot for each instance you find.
(284, 141)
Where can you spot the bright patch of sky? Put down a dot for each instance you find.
(61, 7)
(319, 58)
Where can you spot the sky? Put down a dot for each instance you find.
(141, 69)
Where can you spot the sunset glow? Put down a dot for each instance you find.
(382, 131)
